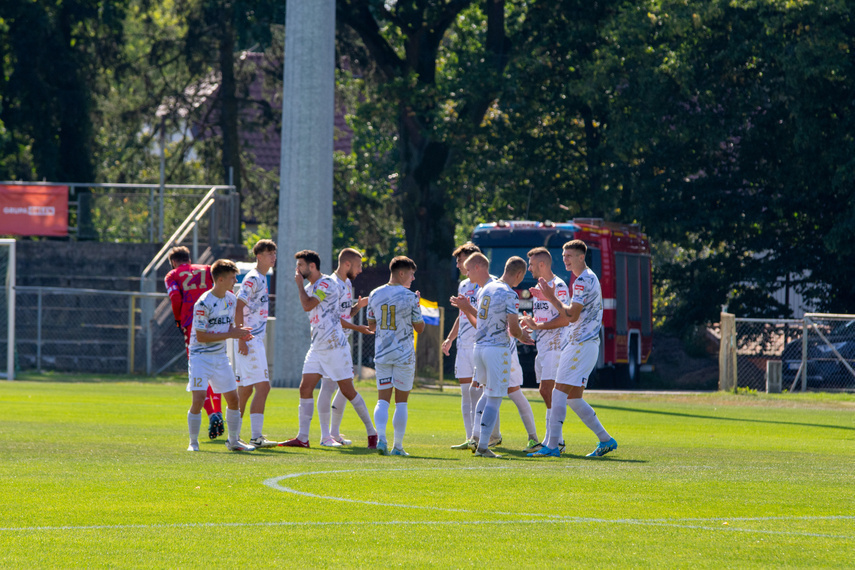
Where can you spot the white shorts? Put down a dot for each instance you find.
(335, 363)
(252, 368)
(493, 369)
(516, 378)
(398, 376)
(463, 367)
(546, 365)
(577, 362)
(213, 369)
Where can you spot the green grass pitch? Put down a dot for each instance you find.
(96, 475)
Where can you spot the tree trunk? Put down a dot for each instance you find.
(428, 221)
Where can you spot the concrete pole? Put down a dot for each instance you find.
(306, 174)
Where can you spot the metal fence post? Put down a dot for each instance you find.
(39, 331)
(805, 329)
(131, 335)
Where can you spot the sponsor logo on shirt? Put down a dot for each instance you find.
(200, 312)
(578, 287)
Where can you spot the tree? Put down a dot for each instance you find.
(405, 41)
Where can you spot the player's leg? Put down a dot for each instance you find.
(381, 409)
(463, 371)
(403, 376)
(306, 408)
(358, 403)
(587, 354)
(497, 375)
(339, 403)
(325, 394)
(526, 414)
(223, 382)
(194, 418)
(253, 389)
(338, 366)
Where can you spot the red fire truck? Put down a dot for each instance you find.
(620, 256)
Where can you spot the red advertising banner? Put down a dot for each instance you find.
(32, 210)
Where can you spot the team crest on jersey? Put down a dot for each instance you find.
(578, 287)
(249, 283)
(200, 312)
(562, 293)
(323, 285)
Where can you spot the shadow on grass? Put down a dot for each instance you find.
(99, 378)
(720, 418)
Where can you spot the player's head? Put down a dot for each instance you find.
(477, 266)
(539, 262)
(514, 271)
(574, 254)
(224, 269)
(305, 260)
(179, 255)
(462, 253)
(265, 251)
(402, 271)
(350, 260)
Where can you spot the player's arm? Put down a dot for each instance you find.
(573, 312)
(175, 297)
(242, 347)
(446, 344)
(561, 321)
(465, 307)
(549, 294)
(234, 332)
(517, 331)
(416, 317)
(364, 329)
(307, 302)
(361, 302)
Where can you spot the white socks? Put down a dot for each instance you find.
(399, 422)
(194, 422)
(256, 423)
(476, 423)
(556, 419)
(325, 394)
(381, 418)
(546, 435)
(488, 419)
(475, 394)
(589, 417)
(466, 408)
(339, 403)
(233, 420)
(307, 409)
(362, 411)
(526, 415)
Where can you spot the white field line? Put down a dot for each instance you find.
(535, 518)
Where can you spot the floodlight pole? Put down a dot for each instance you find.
(306, 171)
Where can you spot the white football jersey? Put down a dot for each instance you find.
(253, 291)
(587, 292)
(465, 330)
(394, 309)
(496, 300)
(543, 311)
(346, 300)
(212, 314)
(325, 318)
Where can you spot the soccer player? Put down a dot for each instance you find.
(396, 309)
(464, 332)
(251, 357)
(495, 314)
(551, 326)
(184, 285)
(213, 324)
(579, 353)
(329, 353)
(349, 268)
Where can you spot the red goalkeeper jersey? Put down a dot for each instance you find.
(185, 284)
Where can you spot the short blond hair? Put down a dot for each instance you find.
(476, 258)
(349, 254)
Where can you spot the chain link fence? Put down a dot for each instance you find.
(813, 353)
(90, 331)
